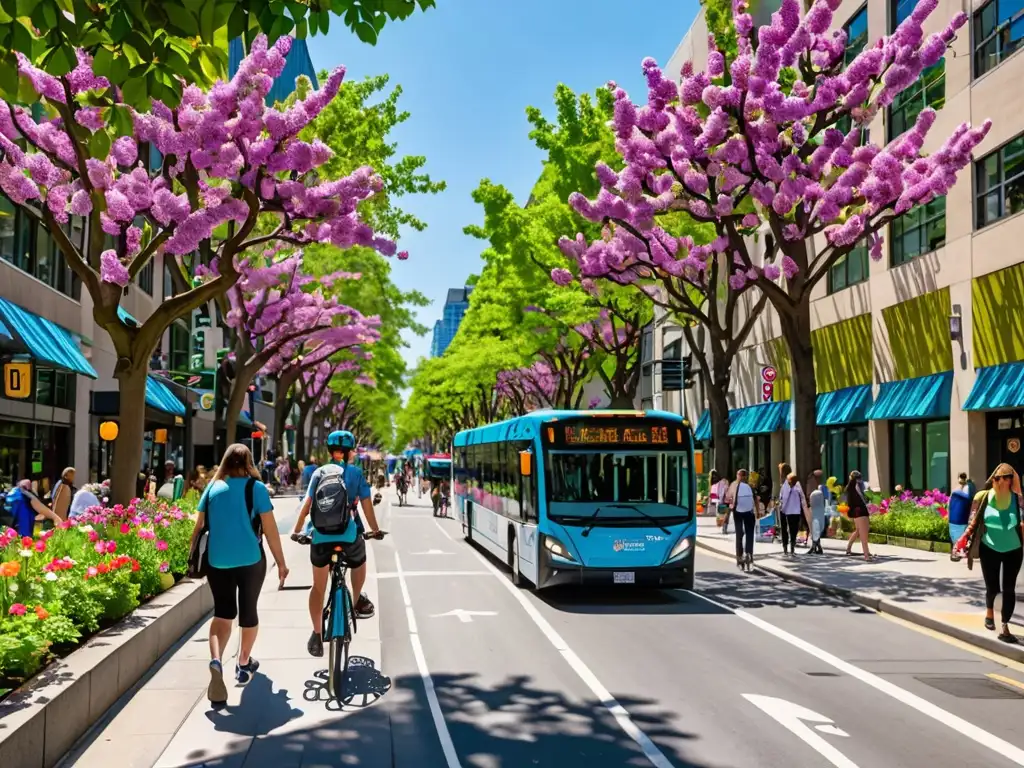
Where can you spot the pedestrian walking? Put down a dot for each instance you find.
(967, 485)
(792, 504)
(237, 512)
(858, 512)
(63, 492)
(744, 508)
(816, 505)
(719, 489)
(995, 535)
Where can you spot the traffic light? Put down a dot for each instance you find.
(677, 375)
(689, 374)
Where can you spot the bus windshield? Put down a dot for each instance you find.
(660, 479)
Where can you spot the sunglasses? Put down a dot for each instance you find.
(1004, 477)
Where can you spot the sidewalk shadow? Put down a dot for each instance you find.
(520, 721)
(754, 590)
(260, 710)
(364, 685)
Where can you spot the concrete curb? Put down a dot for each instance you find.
(43, 719)
(992, 645)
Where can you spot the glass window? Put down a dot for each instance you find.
(920, 455)
(929, 90)
(901, 9)
(849, 269)
(620, 479)
(740, 449)
(846, 449)
(44, 261)
(145, 277)
(179, 357)
(8, 217)
(998, 31)
(856, 30)
(920, 230)
(999, 183)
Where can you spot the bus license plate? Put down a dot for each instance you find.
(624, 577)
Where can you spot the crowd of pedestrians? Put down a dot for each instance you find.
(993, 535)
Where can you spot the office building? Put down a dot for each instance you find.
(922, 347)
(455, 307)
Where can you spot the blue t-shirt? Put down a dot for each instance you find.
(233, 543)
(307, 472)
(357, 488)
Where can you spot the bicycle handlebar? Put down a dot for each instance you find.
(305, 540)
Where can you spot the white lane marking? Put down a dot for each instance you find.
(412, 574)
(442, 530)
(651, 752)
(925, 707)
(832, 730)
(466, 617)
(431, 552)
(792, 716)
(447, 746)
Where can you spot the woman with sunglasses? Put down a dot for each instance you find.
(995, 536)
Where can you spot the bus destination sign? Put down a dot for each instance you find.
(648, 434)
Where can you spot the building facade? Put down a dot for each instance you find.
(455, 307)
(918, 357)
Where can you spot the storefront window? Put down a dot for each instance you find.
(55, 388)
(920, 454)
(845, 450)
(739, 448)
(35, 451)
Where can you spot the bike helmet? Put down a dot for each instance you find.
(341, 440)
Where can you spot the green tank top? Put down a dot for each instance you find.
(1002, 526)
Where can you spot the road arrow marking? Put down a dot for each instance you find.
(832, 730)
(431, 552)
(792, 717)
(464, 616)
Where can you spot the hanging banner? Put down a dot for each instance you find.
(18, 380)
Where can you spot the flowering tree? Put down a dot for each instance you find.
(225, 159)
(273, 314)
(528, 388)
(754, 154)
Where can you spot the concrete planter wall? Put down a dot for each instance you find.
(899, 541)
(41, 721)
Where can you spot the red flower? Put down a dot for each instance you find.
(135, 565)
(41, 545)
(26, 542)
(41, 613)
(103, 568)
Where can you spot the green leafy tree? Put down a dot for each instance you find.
(145, 46)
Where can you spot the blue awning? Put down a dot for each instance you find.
(702, 431)
(844, 406)
(127, 319)
(926, 397)
(759, 419)
(160, 396)
(43, 340)
(998, 386)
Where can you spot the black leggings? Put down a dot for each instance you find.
(236, 591)
(745, 524)
(1010, 562)
(790, 528)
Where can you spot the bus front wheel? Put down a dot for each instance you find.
(513, 558)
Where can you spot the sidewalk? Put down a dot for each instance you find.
(925, 588)
(281, 719)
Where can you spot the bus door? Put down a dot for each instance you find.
(529, 542)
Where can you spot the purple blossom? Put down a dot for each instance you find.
(561, 276)
(112, 270)
(789, 267)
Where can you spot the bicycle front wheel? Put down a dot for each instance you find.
(338, 667)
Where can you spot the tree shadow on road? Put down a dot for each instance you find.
(518, 722)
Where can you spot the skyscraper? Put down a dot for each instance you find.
(455, 307)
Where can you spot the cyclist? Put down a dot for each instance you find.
(341, 445)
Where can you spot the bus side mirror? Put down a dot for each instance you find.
(525, 463)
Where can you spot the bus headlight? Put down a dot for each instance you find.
(681, 549)
(557, 548)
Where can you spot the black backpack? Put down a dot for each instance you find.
(330, 511)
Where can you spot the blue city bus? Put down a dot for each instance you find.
(581, 497)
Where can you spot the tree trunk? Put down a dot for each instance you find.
(300, 431)
(131, 426)
(719, 407)
(235, 403)
(796, 329)
(621, 401)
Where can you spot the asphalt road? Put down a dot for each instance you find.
(744, 671)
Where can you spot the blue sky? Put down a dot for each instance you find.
(469, 69)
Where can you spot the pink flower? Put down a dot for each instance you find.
(125, 528)
(41, 545)
(100, 547)
(161, 545)
(18, 609)
(112, 270)
(111, 547)
(165, 567)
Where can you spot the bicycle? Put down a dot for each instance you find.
(339, 626)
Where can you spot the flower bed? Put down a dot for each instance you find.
(64, 584)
